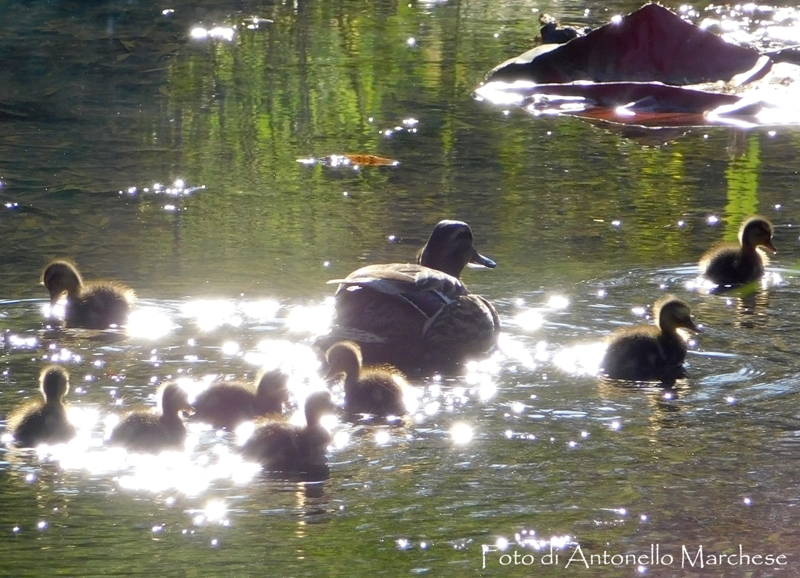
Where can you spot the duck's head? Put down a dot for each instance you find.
(54, 383)
(344, 357)
(317, 405)
(61, 277)
(671, 313)
(450, 248)
(757, 232)
(173, 400)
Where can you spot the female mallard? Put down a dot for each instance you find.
(44, 422)
(145, 431)
(731, 264)
(379, 391)
(646, 353)
(97, 305)
(418, 317)
(278, 445)
(227, 405)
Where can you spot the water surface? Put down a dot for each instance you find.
(230, 258)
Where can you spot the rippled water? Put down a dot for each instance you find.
(230, 258)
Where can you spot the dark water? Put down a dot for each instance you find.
(585, 223)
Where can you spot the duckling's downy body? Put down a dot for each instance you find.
(281, 446)
(379, 391)
(148, 432)
(97, 305)
(227, 405)
(44, 421)
(646, 353)
(418, 316)
(732, 264)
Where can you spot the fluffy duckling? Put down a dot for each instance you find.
(97, 305)
(378, 390)
(145, 431)
(731, 264)
(282, 446)
(227, 405)
(646, 353)
(44, 422)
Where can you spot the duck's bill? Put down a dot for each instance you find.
(693, 327)
(772, 247)
(478, 259)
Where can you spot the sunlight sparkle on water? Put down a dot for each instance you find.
(22, 342)
(314, 319)
(461, 433)
(297, 359)
(212, 313)
(503, 93)
(529, 320)
(512, 348)
(221, 32)
(263, 310)
(230, 348)
(149, 323)
(581, 359)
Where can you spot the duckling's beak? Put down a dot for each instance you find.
(479, 259)
(55, 298)
(690, 325)
(188, 410)
(330, 375)
(771, 247)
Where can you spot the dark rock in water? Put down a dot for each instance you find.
(650, 44)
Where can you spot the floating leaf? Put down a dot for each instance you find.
(351, 160)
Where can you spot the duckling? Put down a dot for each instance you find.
(227, 405)
(282, 446)
(731, 264)
(646, 353)
(44, 422)
(148, 432)
(418, 317)
(97, 305)
(379, 391)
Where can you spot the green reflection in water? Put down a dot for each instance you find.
(742, 178)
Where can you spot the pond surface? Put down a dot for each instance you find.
(158, 144)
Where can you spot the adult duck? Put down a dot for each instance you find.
(418, 317)
(281, 446)
(148, 432)
(44, 421)
(379, 390)
(96, 305)
(227, 405)
(732, 264)
(649, 353)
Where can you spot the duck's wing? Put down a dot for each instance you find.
(403, 278)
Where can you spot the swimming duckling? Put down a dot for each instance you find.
(97, 305)
(282, 446)
(44, 422)
(145, 431)
(731, 264)
(418, 316)
(646, 353)
(379, 390)
(227, 405)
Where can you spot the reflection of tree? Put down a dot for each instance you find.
(742, 178)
